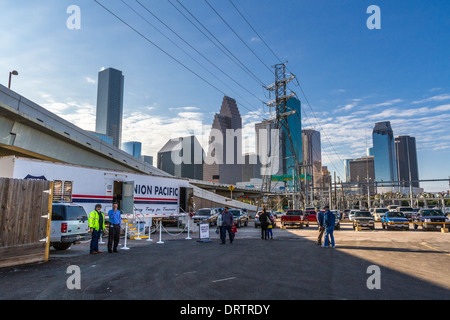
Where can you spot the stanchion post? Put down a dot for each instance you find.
(189, 225)
(138, 226)
(160, 232)
(126, 236)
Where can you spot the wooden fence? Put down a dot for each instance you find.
(25, 220)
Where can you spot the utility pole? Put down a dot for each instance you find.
(279, 89)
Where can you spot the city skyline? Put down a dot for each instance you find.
(352, 76)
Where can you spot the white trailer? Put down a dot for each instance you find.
(150, 196)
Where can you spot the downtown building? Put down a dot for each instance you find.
(133, 147)
(362, 174)
(224, 160)
(312, 162)
(110, 105)
(395, 160)
(182, 157)
(275, 154)
(407, 167)
(385, 160)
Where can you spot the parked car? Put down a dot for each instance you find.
(351, 214)
(206, 214)
(407, 211)
(337, 223)
(394, 219)
(240, 218)
(294, 218)
(378, 212)
(392, 207)
(345, 214)
(278, 214)
(69, 225)
(363, 219)
(310, 215)
(431, 219)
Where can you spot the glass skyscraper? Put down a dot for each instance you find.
(385, 162)
(133, 147)
(407, 160)
(295, 128)
(110, 104)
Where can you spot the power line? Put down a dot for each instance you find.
(161, 49)
(237, 35)
(254, 30)
(236, 60)
(201, 65)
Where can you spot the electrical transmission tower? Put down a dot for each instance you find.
(280, 122)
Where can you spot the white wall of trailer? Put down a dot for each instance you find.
(153, 196)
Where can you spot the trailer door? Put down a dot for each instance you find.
(128, 197)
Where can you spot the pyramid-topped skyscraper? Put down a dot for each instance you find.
(224, 159)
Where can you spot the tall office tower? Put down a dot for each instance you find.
(291, 142)
(405, 150)
(182, 157)
(360, 170)
(223, 162)
(312, 156)
(133, 147)
(110, 104)
(347, 169)
(268, 148)
(385, 161)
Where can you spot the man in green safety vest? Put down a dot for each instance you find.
(96, 226)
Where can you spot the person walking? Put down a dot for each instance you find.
(115, 220)
(264, 218)
(328, 223)
(227, 223)
(96, 223)
(320, 216)
(219, 223)
(269, 231)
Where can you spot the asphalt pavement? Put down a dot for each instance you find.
(289, 267)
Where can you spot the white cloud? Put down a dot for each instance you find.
(90, 80)
(441, 97)
(388, 103)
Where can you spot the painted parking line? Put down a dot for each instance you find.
(226, 279)
(430, 247)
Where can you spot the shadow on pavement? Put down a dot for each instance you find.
(286, 268)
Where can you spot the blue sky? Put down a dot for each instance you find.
(351, 76)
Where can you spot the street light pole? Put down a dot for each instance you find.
(11, 73)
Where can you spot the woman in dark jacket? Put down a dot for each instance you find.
(264, 218)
